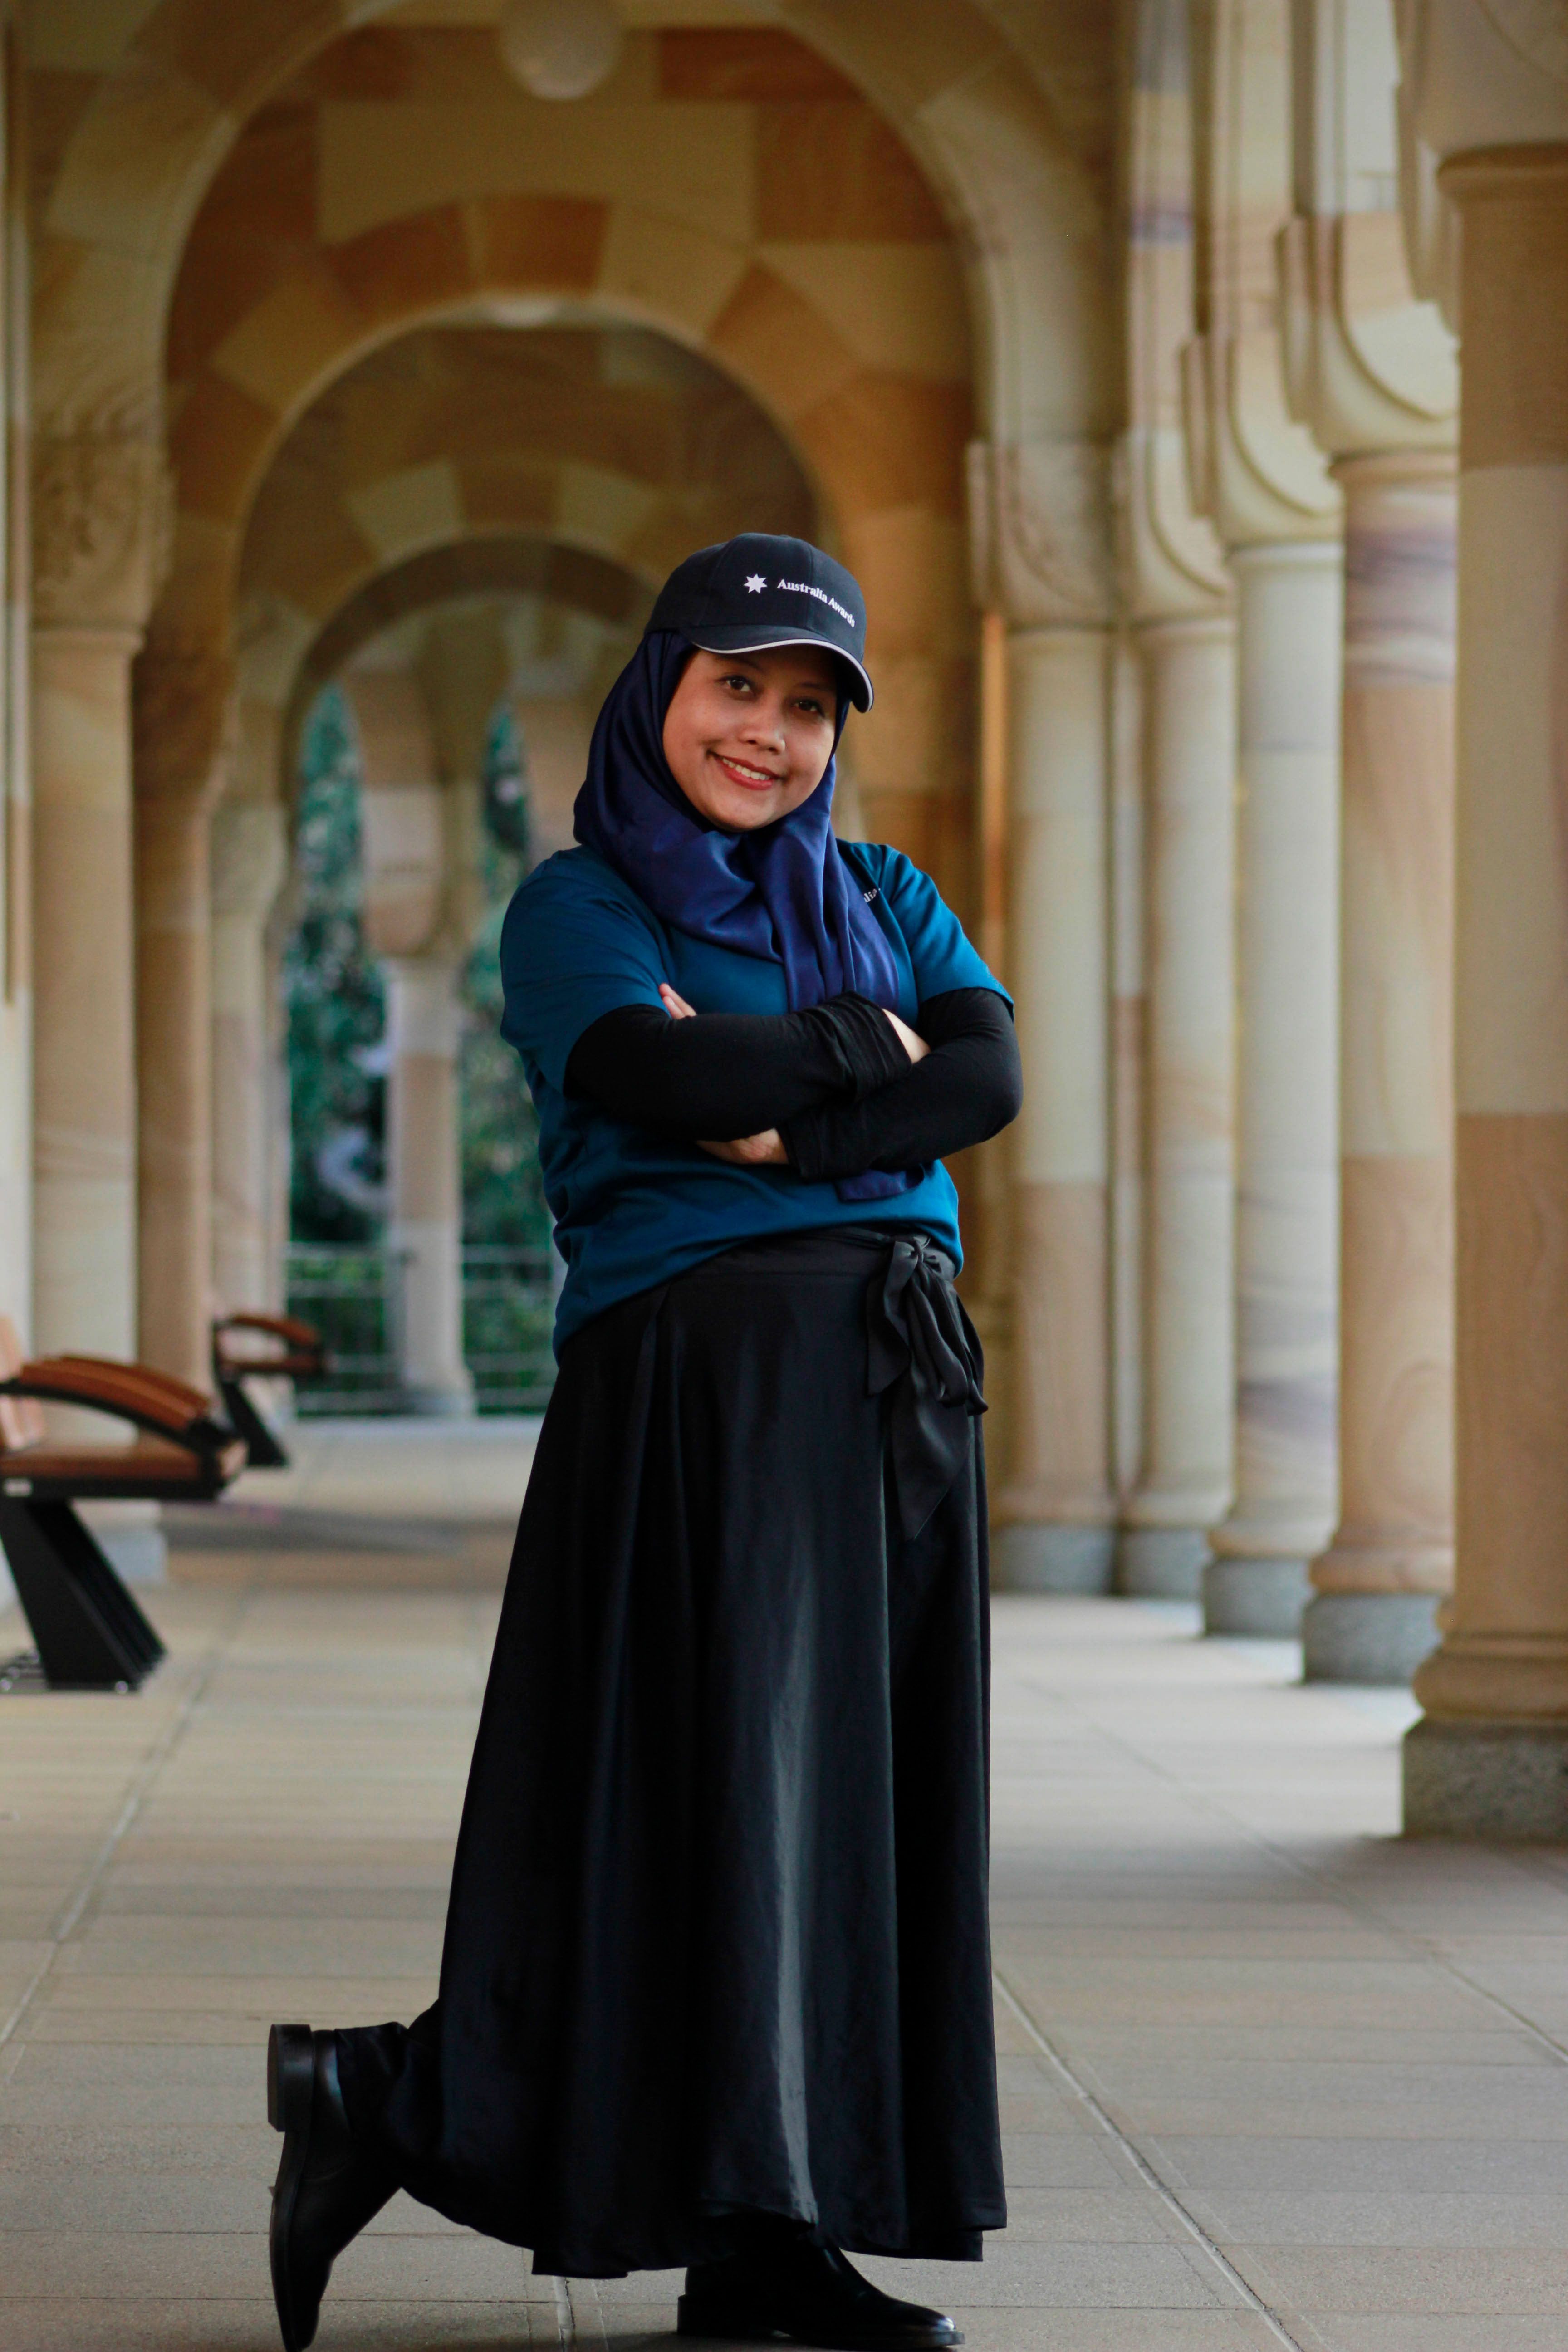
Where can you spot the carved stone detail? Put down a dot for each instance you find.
(1366, 365)
(1040, 535)
(102, 530)
(1172, 564)
(1255, 471)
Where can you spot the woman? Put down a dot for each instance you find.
(715, 1989)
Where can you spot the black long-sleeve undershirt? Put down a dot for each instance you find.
(726, 1074)
(967, 1088)
(834, 1080)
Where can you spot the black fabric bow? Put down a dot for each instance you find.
(921, 1344)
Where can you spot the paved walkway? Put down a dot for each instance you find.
(1270, 2078)
(394, 1467)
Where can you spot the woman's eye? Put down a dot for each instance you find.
(815, 707)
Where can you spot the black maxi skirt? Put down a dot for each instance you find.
(718, 1941)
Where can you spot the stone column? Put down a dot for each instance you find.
(1370, 369)
(1189, 667)
(418, 877)
(1287, 1231)
(1126, 1090)
(426, 1227)
(1178, 597)
(84, 1102)
(1058, 1507)
(174, 1080)
(1490, 1757)
(1040, 548)
(183, 711)
(1377, 1587)
(1257, 473)
(987, 1252)
(249, 854)
(98, 504)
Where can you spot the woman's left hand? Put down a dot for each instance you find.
(764, 1150)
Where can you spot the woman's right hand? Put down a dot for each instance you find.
(913, 1043)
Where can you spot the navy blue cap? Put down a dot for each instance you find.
(757, 591)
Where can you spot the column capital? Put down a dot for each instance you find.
(1477, 175)
(1476, 76)
(1170, 561)
(1040, 530)
(1255, 472)
(1366, 365)
(102, 529)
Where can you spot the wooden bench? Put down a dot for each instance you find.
(89, 1633)
(271, 1347)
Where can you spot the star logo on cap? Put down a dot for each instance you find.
(756, 584)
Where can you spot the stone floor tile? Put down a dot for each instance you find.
(1369, 2218)
(424, 2267)
(111, 2324)
(133, 2065)
(1521, 2282)
(319, 1948)
(1020, 2274)
(1524, 2167)
(1057, 2161)
(1437, 2332)
(1199, 1903)
(1540, 2112)
(1085, 2216)
(1120, 2331)
(338, 2001)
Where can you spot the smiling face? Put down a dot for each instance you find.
(747, 736)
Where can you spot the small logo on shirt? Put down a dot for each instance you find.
(869, 894)
(756, 584)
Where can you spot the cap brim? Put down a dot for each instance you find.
(762, 640)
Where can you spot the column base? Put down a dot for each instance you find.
(439, 1404)
(1261, 1600)
(1367, 1637)
(1474, 1779)
(1053, 1559)
(1162, 1563)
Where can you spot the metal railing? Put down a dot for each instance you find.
(508, 1310)
(355, 1299)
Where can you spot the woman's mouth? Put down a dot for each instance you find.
(756, 779)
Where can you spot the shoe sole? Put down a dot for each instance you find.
(291, 2095)
(714, 2328)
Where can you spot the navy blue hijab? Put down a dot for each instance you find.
(783, 893)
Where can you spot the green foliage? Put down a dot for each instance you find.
(337, 1014)
(503, 1197)
(337, 1011)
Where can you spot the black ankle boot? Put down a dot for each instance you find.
(807, 2295)
(325, 2191)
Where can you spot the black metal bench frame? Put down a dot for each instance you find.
(89, 1633)
(302, 1358)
